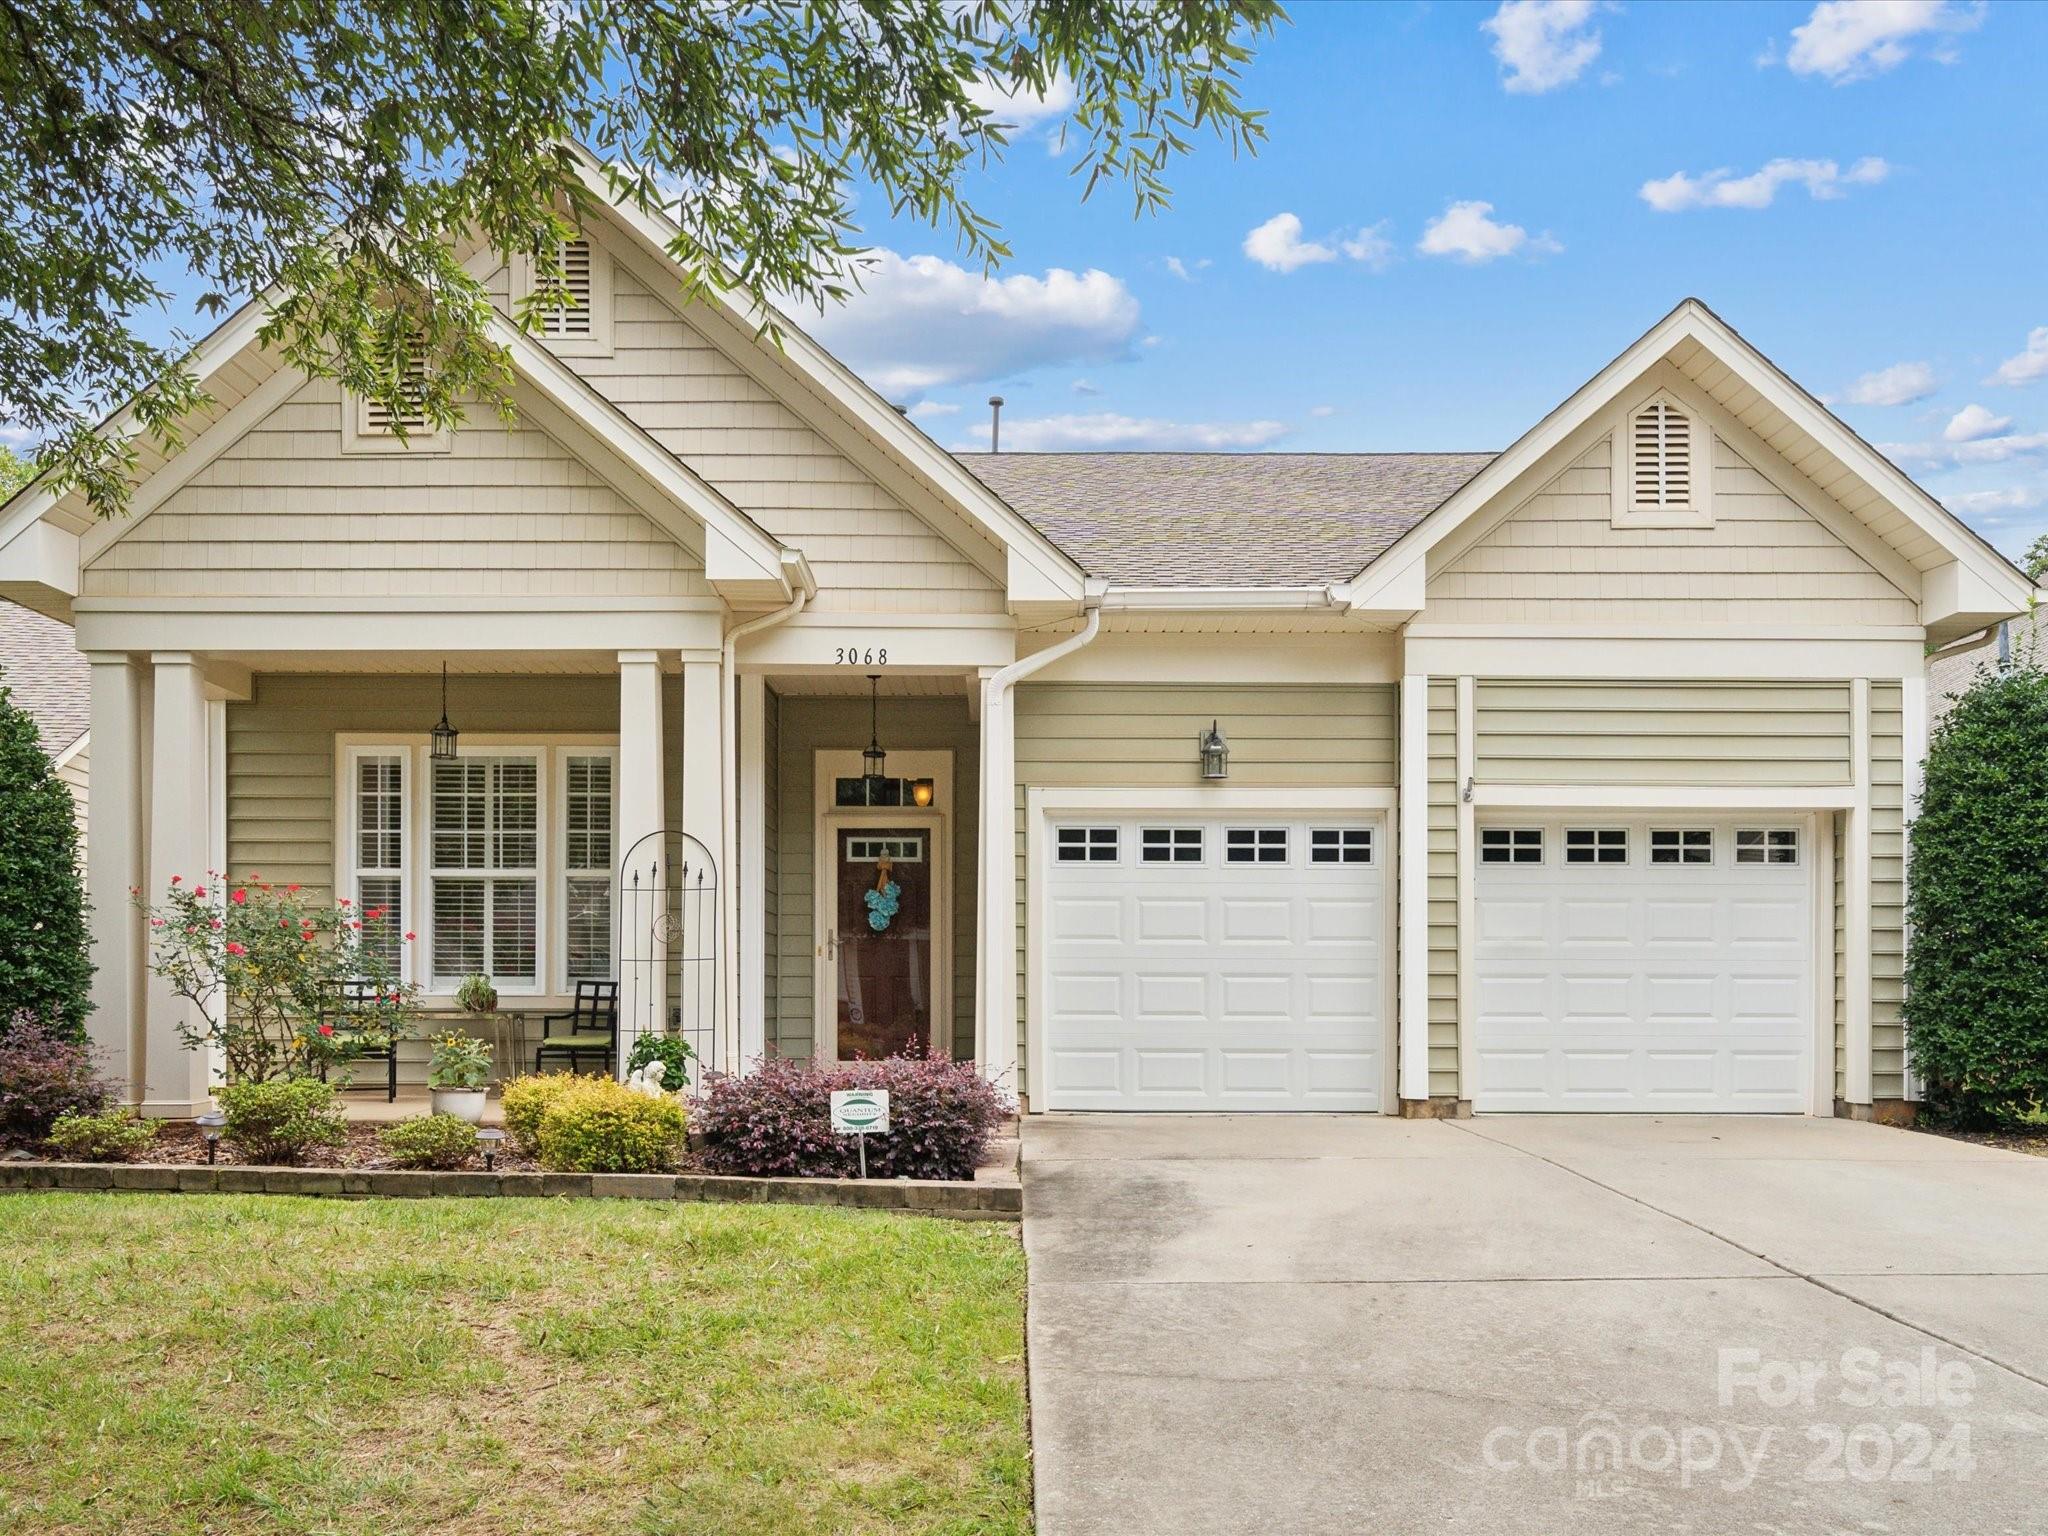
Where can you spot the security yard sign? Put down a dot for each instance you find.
(861, 1113)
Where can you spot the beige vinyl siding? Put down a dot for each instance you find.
(284, 512)
(1077, 735)
(809, 725)
(1559, 559)
(76, 775)
(1443, 887)
(870, 553)
(1532, 731)
(1887, 891)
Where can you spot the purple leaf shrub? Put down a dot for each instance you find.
(43, 1074)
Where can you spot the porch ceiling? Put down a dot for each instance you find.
(894, 685)
(422, 663)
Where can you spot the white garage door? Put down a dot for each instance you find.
(1217, 963)
(1643, 964)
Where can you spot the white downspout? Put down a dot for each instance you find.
(996, 951)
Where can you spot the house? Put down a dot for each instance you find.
(1572, 777)
(1951, 671)
(44, 674)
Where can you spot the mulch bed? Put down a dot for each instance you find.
(181, 1142)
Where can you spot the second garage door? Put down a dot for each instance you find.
(1214, 963)
(1643, 964)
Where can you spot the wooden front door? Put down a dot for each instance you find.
(882, 946)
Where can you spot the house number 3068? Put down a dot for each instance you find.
(854, 656)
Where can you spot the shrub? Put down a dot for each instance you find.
(672, 1051)
(459, 1061)
(44, 1073)
(526, 1099)
(600, 1126)
(281, 1120)
(1977, 971)
(779, 1119)
(432, 1141)
(111, 1136)
(45, 971)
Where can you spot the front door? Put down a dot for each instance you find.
(879, 948)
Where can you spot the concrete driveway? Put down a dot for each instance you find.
(1353, 1324)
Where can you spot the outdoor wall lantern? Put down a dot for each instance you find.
(874, 758)
(1215, 752)
(488, 1137)
(209, 1127)
(921, 791)
(444, 734)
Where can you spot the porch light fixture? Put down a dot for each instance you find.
(210, 1127)
(488, 1138)
(1215, 750)
(444, 733)
(872, 760)
(921, 791)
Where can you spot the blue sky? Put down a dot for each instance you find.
(1858, 189)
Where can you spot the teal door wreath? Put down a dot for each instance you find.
(885, 897)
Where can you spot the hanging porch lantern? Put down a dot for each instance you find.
(444, 735)
(874, 759)
(1215, 752)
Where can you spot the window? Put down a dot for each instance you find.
(582, 327)
(1340, 845)
(484, 839)
(376, 882)
(1171, 845)
(1766, 845)
(1596, 845)
(589, 855)
(1086, 845)
(897, 850)
(1661, 467)
(1255, 845)
(1511, 845)
(1681, 845)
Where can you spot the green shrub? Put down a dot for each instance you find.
(599, 1126)
(526, 1099)
(44, 969)
(111, 1136)
(1976, 1004)
(432, 1141)
(672, 1051)
(281, 1120)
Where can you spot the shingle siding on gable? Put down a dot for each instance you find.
(1559, 559)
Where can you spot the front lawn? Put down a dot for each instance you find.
(205, 1363)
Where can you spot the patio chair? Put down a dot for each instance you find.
(590, 1028)
(352, 1015)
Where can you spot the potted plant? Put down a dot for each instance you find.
(458, 1073)
(477, 995)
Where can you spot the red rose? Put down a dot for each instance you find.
(239, 898)
(410, 937)
(326, 1029)
(236, 949)
(176, 878)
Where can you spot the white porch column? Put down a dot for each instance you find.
(114, 867)
(643, 936)
(1856, 1075)
(751, 930)
(707, 989)
(995, 918)
(1412, 866)
(175, 1077)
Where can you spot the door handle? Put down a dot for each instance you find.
(831, 943)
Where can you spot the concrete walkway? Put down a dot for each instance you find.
(1354, 1324)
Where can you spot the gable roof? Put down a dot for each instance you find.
(1224, 519)
(42, 670)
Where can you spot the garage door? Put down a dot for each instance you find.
(1215, 963)
(1643, 964)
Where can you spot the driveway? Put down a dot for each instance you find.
(1355, 1324)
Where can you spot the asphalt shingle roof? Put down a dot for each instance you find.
(41, 667)
(1224, 519)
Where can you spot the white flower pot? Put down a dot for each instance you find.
(462, 1103)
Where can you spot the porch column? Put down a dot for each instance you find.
(643, 935)
(995, 916)
(175, 1077)
(114, 867)
(1855, 855)
(707, 985)
(1412, 872)
(751, 929)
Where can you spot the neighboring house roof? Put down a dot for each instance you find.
(1224, 519)
(41, 667)
(1952, 673)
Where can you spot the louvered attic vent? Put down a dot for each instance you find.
(379, 418)
(370, 426)
(1661, 459)
(574, 319)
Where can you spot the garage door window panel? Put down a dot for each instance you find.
(1596, 845)
(1170, 845)
(1340, 845)
(1087, 845)
(1511, 845)
(1681, 845)
(1255, 845)
(1767, 845)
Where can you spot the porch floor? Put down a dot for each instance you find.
(364, 1107)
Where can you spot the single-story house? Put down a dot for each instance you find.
(44, 674)
(1571, 777)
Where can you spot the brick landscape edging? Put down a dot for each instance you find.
(925, 1197)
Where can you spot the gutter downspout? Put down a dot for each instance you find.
(995, 1014)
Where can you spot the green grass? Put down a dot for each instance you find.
(200, 1363)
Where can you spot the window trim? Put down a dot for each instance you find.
(1625, 512)
(599, 343)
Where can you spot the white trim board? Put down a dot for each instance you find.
(1658, 797)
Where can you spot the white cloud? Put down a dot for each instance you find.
(921, 322)
(1371, 246)
(1322, 410)
(1186, 270)
(1823, 179)
(1985, 505)
(1900, 384)
(1277, 245)
(2002, 449)
(1110, 430)
(1023, 109)
(2027, 365)
(1085, 387)
(931, 410)
(1542, 44)
(1973, 422)
(1845, 40)
(1468, 232)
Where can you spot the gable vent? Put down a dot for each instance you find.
(379, 418)
(574, 319)
(1660, 457)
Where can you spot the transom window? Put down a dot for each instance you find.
(1511, 845)
(897, 850)
(1767, 845)
(1596, 845)
(1255, 845)
(1681, 845)
(1171, 845)
(1086, 845)
(1340, 845)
